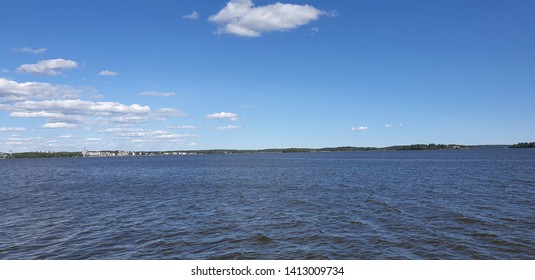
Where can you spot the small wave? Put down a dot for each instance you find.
(469, 220)
(261, 238)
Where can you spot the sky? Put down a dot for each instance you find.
(242, 74)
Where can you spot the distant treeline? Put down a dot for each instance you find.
(428, 147)
(340, 149)
(523, 145)
(45, 155)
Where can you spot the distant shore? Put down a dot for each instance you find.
(120, 153)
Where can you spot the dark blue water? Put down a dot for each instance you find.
(463, 204)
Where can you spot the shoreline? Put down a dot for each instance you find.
(120, 153)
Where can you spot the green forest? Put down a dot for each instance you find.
(523, 145)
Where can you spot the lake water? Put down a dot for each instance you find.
(458, 204)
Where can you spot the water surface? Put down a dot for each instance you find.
(459, 204)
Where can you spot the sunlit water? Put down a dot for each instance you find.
(462, 204)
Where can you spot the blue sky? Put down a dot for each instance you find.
(190, 74)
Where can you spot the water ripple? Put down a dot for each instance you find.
(384, 205)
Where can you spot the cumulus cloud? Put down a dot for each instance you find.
(360, 128)
(29, 50)
(223, 115)
(192, 15)
(155, 93)
(50, 67)
(242, 18)
(12, 91)
(107, 73)
(12, 129)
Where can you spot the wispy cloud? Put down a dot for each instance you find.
(12, 129)
(181, 127)
(107, 73)
(50, 67)
(359, 128)
(164, 113)
(80, 113)
(223, 115)
(228, 127)
(242, 18)
(139, 135)
(388, 125)
(193, 15)
(66, 136)
(29, 50)
(155, 93)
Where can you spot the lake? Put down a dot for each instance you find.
(451, 204)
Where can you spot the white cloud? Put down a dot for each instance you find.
(141, 141)
(242, 18)
(175, 136)
(107, 73)
(164, 113)
(130, 119)
(83, 107)
(51, 67)
(388, 125)
(12, 129)
(66, 136)
(29, 50)
(181, 127)
(93, 139)
(360, 128)
(223, 115)
(126, 132)
(155, 93)
(139, 135)
(228, 127)
(192, 15)
(12, 91)
(78, 112)
(58, 125)
(37, 114)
